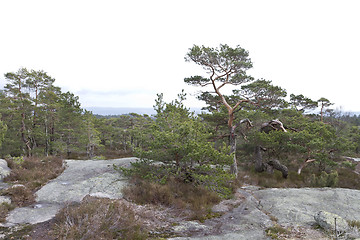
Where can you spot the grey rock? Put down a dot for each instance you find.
(5, 199)
(80, 178)
(329, 221)
(85, 177)
(228, 205)
(189, 227)
(4, 169)
(246, 221)
(296, 206)
(32, 215)
(290, 208)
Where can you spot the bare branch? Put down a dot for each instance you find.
(304, 164)
(240, 102)
(274, 124)
(246, 120)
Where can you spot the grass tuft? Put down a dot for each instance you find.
(97, 218)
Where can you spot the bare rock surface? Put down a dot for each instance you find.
(4, 172)
(292, 209)
(297, 206)
(80, 178)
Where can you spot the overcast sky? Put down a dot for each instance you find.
(121, 53)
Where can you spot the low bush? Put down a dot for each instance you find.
(348, 178)
(276, 231)
(215, 179)
(173, 193)
(5, 208)
(34, 172)
(97, 218)
(325, 179)
(20, 195)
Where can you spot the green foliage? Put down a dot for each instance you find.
(325, 179)
(266, 95)
(3, 129)
(275, 231)
(302, 103)
(178, 138)
(215, 179)
(176, 144)
(305, 139)
(349, 164)
(18, 160)
(91, 136)
(219, 61)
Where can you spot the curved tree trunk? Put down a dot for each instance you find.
(278, 166)
(270, 165)
(261, 166)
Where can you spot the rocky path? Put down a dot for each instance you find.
(80, 178)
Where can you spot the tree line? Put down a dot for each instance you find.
(38, 119)
(256, 120)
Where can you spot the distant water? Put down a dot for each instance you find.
(120, 111)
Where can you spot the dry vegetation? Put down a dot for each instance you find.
(161, 205)
(341, 176)
(98, 219)
(34, 172)
(196, 201)
(27, 176)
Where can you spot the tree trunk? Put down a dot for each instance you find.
(259, 166)
(232, 138)
(23, 137)
(270, 165)
(278, 166)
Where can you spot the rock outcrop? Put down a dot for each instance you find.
(4, 169)
(291, 209)
(331, 222)
(251, 215)
(80, 178)
(4, 172)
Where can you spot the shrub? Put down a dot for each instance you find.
(173, 193)
(97, 218)
(20, 195)
(325, 179)
(176, 145)
(276, 231)
(349, 164)
(348, 179)
(5, 208)
(34, 172)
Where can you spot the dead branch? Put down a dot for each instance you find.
(304, 164)
(273, 125)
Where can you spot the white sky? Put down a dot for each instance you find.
(117, 53)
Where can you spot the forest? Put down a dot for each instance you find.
(258, 129)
